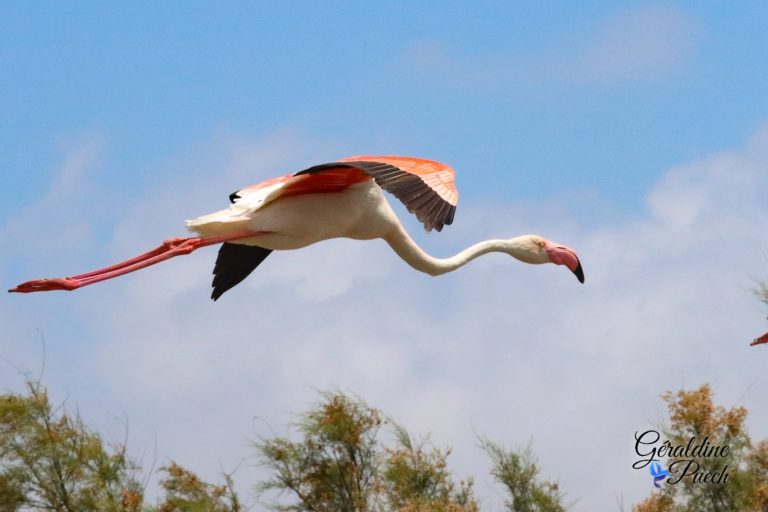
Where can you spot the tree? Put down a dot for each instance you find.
(186, 492)
(334, 468)
(51, 460)
(518, 472)
(340, 465)
(416, 478)
(692, 414)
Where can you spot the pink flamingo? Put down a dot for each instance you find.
(337, 199)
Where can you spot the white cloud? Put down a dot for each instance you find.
(81, 156)
(636, 45)
(643, 43)
(54, 231)
(54, 219)
(514, 352)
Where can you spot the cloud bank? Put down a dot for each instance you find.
(513, 352)
(638, 45)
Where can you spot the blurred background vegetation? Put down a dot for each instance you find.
(347, 457)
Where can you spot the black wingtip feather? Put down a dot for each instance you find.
(233, 264)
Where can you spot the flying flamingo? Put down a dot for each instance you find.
(337, 199)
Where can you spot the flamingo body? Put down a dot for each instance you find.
(338, 199)
(359, 211)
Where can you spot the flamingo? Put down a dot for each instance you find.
(338, 199)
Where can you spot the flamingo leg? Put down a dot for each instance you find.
(168, 249)
(762, 339)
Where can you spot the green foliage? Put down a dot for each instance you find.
(50, 460)
(518, 472)
(762, 291)
(334, 468)
(416, 478)
(693, 414)
(341, 465)
(185, 492)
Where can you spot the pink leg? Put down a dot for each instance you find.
(169, 249)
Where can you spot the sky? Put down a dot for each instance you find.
(635, 132)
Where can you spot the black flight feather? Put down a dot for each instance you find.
(233, 264)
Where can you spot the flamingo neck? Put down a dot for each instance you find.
(412, 254)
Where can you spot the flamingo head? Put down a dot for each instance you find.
(535, 249)
(759, 341)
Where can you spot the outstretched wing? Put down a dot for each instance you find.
(425, 187)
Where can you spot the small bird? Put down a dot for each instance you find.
(338, 199)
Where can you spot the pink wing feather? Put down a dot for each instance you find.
(425, 187)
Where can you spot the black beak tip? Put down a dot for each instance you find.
(579, 273)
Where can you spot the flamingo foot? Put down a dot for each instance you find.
(46, 285)
(760, 340)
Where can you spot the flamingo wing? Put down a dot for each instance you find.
(425, 187)
(335, 178)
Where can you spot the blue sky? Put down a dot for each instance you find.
(392, 77)
(635, 132)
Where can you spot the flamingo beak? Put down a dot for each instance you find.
(579, 272)
(562, 255)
